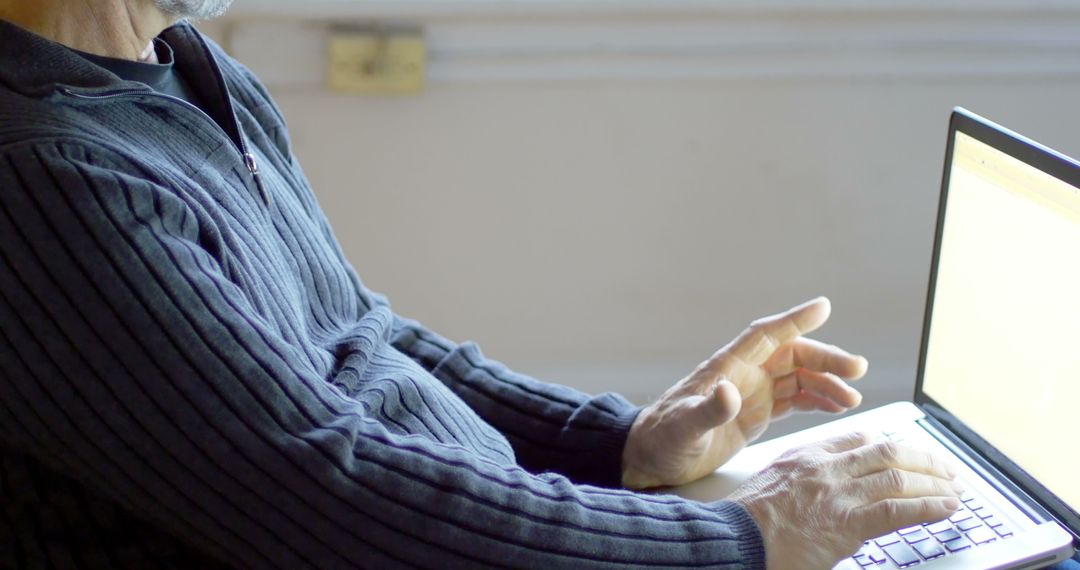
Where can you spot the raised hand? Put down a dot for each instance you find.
(767, 372)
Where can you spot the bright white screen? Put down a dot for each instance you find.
(1004, 347)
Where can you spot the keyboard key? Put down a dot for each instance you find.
(901, 554)
(909, 530)
(981, 535)
(960, 516)
(1003, 531)
(969, 524)
(972, 503)
(992, 521)
(917, 536)
(948, 535)
(888, 539)
(957, 545)
(982, 513)
(929, 549)
(939, 526)
(872, 553)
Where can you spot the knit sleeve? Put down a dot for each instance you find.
(551, 427)
(132, 363)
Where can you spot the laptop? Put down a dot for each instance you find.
(998, 383)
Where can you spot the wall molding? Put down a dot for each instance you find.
(490, 8)
(545, 40)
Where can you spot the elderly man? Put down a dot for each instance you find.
(193, 375)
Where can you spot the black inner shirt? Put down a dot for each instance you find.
(162, 77)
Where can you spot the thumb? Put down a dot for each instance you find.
(719, 407)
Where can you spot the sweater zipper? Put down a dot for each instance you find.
(241, 147)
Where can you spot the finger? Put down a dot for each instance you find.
(808, 353)
(807, 402)
(823, 385)
(758, 342)
(717, 408)
(900, 484)
(888, 515)
(786, 387)
(782, 408)
(804, 402)
(886, 454)
(846, 442)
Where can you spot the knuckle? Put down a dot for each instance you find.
(801, 460)
(927, 508)
(933, 464)
(791, 459)
(863, 438)
(895, 481)
(813, 462)
(854, 440)
(888, 451)
(891, 509)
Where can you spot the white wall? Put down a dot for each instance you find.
(602, 199)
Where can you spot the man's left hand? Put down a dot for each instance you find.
(767, 372)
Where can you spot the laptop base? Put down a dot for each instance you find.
(1035, 543)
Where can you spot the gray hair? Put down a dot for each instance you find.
(194, 9)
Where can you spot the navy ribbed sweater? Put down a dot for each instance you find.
(191, 373)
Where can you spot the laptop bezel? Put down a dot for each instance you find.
(1057, 165)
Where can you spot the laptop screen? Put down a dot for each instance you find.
(1002, 350)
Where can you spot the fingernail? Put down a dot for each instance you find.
(958, 488)
(857, 397)
(951, 503)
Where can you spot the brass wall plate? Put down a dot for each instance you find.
(376, 61)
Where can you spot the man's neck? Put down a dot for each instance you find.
(112, 28)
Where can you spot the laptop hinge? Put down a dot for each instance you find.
(985, 469)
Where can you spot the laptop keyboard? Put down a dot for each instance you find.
(973, 525)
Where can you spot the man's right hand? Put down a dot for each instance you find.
(815, 505)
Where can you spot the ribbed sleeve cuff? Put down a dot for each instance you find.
(610, 444)
(751, 545)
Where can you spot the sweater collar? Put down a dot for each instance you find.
(37, 67)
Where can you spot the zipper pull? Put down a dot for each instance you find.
(253, 168)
